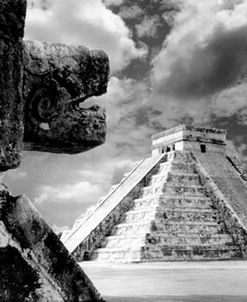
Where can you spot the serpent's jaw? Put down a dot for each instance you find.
(77, 131)
(56, 79)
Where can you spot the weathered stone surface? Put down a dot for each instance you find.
(34, 264)
(231, 220)
(57, 78)
(12, 18)
(41, 92)
(193, 206)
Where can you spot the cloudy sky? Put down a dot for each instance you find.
(172, 61)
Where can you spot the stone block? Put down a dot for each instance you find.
(34, 264)
(12, 18)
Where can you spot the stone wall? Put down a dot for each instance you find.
(12, 18)
(228, 181)
(228, 217)
(186, 137)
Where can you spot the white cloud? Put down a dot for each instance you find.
(194, 26)
(16, 174)
(80, 192)
(231, 102)
(122, 167)
(131, 12)
(124, 98)
(113, 2)
(43, 4)
(148, 26)
(86, 22)
(201, 61)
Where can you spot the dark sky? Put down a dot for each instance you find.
(172, 61)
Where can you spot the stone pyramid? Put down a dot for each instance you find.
(186, 202)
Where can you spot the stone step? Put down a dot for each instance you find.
(178, 210)
(166, 239)
(185, 202)
(186, 216)
(164, 168)
(183, 179)
(180, 173)
(147, 213)
(206, 246)
(178, 164)
(146, 202)
(196, 252)
(176, 178)
(172, 188)
(171, 227)
(124, 241)
(162, 207)
(173, 201)
(176, 214)
(166, 253)
(175, 227)
(140, 215)
(184, 190)
(188, 239)
(182, 167)
(118, 254)
(158, 179)
(132, 228)
(152, 190)
(181, 156)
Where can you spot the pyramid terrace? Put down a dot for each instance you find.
(188, 201)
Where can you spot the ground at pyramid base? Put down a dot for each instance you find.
(188, 201)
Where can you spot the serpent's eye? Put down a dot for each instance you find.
(44, 108)
(41, 106)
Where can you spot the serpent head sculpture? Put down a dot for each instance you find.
(57, 79)
(42, 87)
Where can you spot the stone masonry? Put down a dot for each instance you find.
(187, 202)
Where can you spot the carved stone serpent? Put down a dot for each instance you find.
(42, 85)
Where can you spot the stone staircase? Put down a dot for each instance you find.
(171, 220)
(90, 229)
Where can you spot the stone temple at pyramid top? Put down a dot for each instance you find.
(189, 138)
